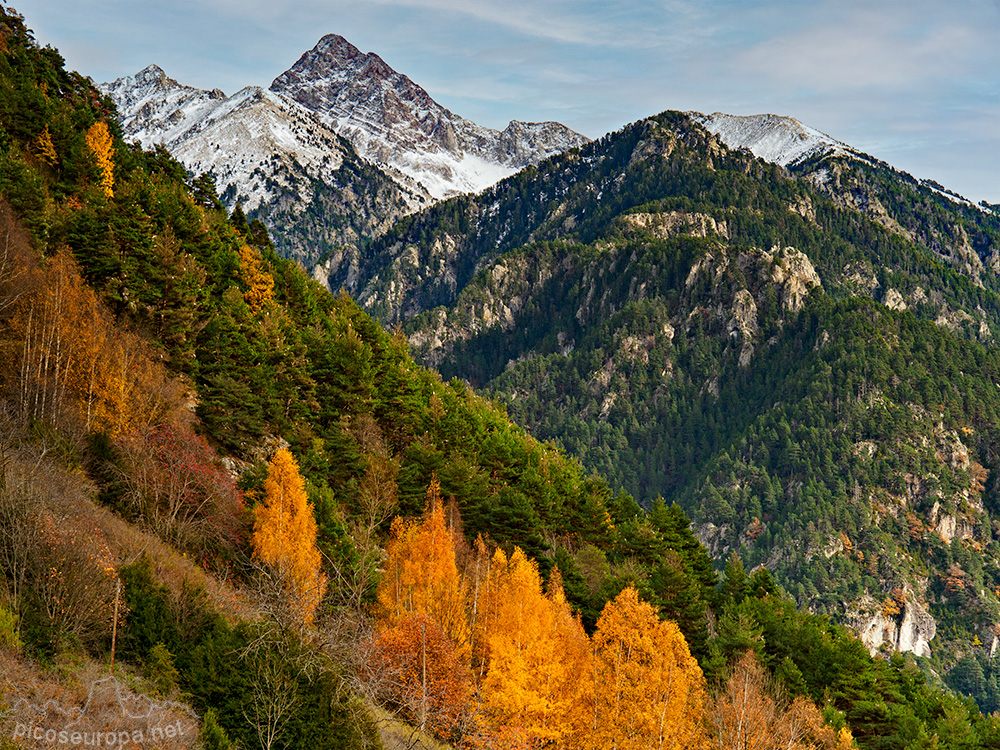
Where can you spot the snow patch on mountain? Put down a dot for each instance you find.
(787, 142)
(243, 140)
(395, 123)
(773, 138)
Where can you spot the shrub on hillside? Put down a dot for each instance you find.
(174, 486)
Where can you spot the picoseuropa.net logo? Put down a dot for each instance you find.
(52, 736)
(113, 716)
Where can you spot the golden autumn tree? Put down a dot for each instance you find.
(648, 690)
(102, 147)
(569, 686)
(74, 359)
(284, 537)
(259, 283)
(538, 655)
(45, 148)
(420, 574)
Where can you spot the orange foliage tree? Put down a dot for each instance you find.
(648, 689)
(73, 359)
(284, 537)
(420, 575)
(415, 666)
(747, 714)
(541, 681)
(538, 653)
(102, 147)
(259, 283)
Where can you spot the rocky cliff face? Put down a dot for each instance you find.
(904, 625)
(394, 122)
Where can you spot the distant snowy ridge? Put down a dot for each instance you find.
(787, 142)
(337, 150)
(276, 158)
(395, 123)
(241, 140)
(773, 138)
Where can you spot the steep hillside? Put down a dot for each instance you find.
(673, 163)
(706, 328)
(246, 490)
(155, 351)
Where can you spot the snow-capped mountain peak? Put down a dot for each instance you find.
(394, 122)
(340, 146)
(155, 108)
(238, 138)
(774, 138)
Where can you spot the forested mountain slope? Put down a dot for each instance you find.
(674, 164)
(810, 373)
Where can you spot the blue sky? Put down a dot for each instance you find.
(913, 82)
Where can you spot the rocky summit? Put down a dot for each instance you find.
(338, 149)
(394, 122)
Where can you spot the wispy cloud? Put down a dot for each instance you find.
(594, 24)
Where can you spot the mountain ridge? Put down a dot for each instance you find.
(393, 121)
(779, 139)
(336, 150)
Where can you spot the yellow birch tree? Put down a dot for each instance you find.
(649, 691)
(421, 576)
(539, 658)
(73, 357)
(749, 712)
